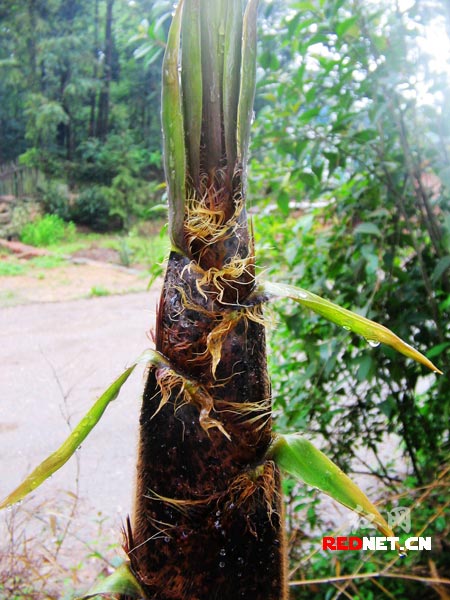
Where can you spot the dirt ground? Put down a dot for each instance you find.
(60, 347)
(70, 282)
(91, 272)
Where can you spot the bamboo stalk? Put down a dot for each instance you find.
(208, 519)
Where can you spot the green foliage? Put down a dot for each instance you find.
(146, 244)
(343, 153)
(98, 291)
(7, 269)
(46, 231)
(92, 208)
(121, 169)
(122, 581)
(101, 162)
(354, 162)
(53, 89)
(298, 457)
(22, 214)
(44, 117)
(54, 198)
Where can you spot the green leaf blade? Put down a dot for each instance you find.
(67, 449)
(373, 332)
(122, 581)
(303, 460)
(173, 132)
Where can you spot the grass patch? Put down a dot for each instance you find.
(146, 246)
(46, 262)
(12, 268)
(98, 291)
(48, 230)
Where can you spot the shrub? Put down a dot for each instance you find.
(55, 200)
(46, 231)
(92, 208)
(23, 213)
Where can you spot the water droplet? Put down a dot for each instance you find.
(346, 327)
(217, 524)
(223, 552)
(166, 539)
(373, 343)
(221, 565)
(240, 560)
(303, 295)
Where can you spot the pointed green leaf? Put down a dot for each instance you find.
(173, 132)
(122, 581)
(56, 460)
(248, 80)
(369, 228)
(300, 458)
(373, 332)
(191, 74)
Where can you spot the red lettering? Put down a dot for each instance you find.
(328, 543)
(355, 543)
(342, 543)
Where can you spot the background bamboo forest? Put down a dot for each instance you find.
(349, 193)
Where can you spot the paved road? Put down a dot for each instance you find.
(55, 359)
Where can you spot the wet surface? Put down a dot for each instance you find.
(55, 360)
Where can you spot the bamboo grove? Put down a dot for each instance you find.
(208, 510)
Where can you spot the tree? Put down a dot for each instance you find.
(103, 102)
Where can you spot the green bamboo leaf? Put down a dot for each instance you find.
(173, 132)
(58, 458)
(248, 80)
(122, 581)
(191, 74)
(368, 228)
(300, 458)
(373, 332)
